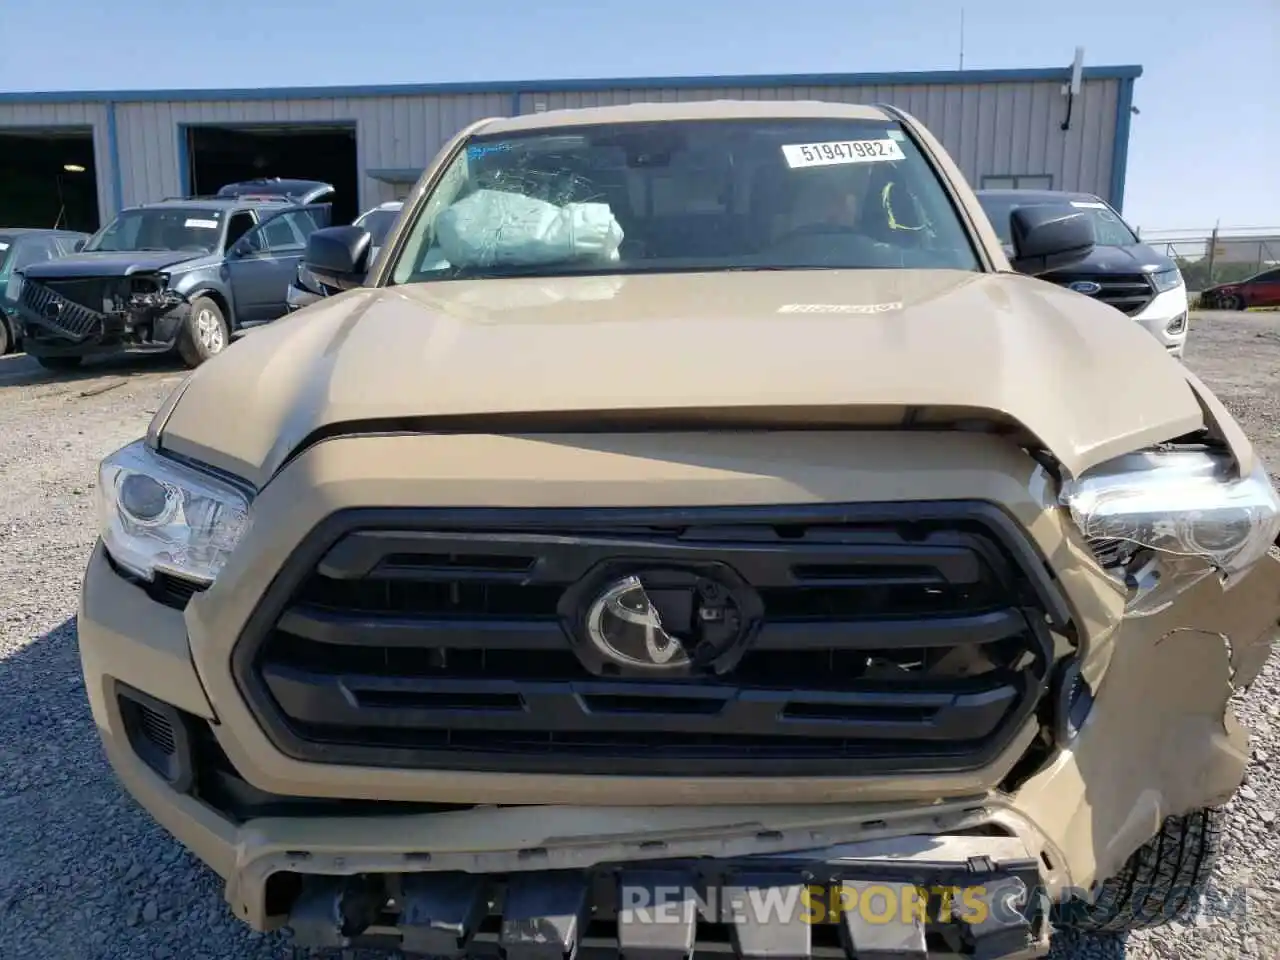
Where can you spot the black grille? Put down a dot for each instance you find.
(59, 312)
(1128, 293)
(158, 733)
(892, 638)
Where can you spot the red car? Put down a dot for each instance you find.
(1260, 290)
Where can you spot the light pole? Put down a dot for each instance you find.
(62, 204)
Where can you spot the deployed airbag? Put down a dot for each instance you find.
(492, 227)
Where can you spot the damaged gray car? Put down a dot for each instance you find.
(181, 275)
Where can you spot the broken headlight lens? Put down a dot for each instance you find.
(157, 515)
(13, 287)
(1161, 521)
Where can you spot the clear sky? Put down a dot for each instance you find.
(1205, 146)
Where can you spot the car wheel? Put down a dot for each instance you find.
(6, 340)
(1162, 882)
(205, 334)
(60, 363)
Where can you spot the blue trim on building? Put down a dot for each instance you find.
(1120, 143)
(516, 87)
(113, 157)
(184, 160)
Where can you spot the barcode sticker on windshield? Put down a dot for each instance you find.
(207, 224)
(841, 151)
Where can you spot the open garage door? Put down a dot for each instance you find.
(48, 178)
(220, 155)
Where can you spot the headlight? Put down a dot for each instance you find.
(1164, 520)
(158, 515)
(13, 288)
(1167, 280)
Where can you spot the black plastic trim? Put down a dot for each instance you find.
(263, 693)
(177, 767)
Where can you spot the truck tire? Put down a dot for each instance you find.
(1161, 882)
(205, 333)
(60, 363)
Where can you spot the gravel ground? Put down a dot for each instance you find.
(85, 874)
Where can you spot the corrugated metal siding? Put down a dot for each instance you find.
(989, 129)
(92, 115)
(391, 132)
(992, 129)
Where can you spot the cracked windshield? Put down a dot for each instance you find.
(687, 196)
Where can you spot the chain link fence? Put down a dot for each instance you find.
(1213, 256)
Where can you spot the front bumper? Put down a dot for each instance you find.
(111, 338)
(1159, 740)
(1166, 318)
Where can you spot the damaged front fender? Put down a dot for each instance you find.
(1161, 738)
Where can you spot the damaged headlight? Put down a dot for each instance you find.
(1164, 520)
(13, 287)
(159, 515)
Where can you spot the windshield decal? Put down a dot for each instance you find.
(857, 308)
(476, 151)
(207, 224)
(1089, 204)
(3, 246)
(841, 151)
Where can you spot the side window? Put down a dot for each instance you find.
(288, 232)
(239, 224)
(1271, 276)
(279, 235)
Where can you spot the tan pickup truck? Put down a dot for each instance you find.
(691, 533)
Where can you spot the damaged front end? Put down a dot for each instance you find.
(92, 314)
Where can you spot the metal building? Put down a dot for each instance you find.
(1004, 127)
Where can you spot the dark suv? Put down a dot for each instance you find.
(1122, 270)
(180, 274)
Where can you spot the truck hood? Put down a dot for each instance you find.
(109, 264)
(1138, 258)
(785, 347)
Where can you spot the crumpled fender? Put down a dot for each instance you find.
(1161, 738)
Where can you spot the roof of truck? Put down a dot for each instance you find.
(1038, 196)
(692, 110)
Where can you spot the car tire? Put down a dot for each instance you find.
(60, 363)
(6, 337)
(1162, 882)
(205, 333)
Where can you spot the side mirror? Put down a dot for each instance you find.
(79, 245)
(339, 256)
(1049, 237)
